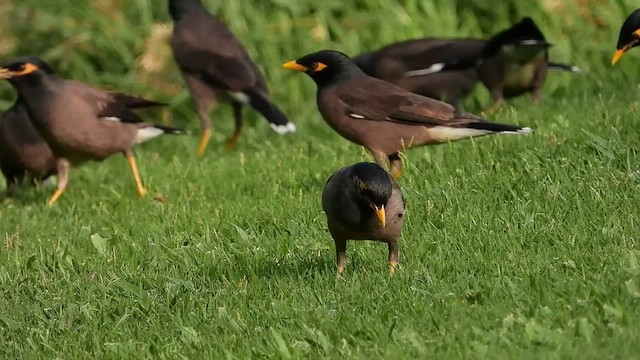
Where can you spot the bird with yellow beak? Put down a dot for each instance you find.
(629, 36)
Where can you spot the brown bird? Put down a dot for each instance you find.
(80, 123)
(383, 117)
(513, 62)
(629, 36)
(23, 152)
(400, 64)
(363, 202)
(214, 63)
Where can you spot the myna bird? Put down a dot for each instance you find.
(383, 117)
(214, 63)
(513, 62)
(391, 63)
(629, 36)
(24, 155)
(363, 202)
(80, 123)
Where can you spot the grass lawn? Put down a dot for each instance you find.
(513, 246)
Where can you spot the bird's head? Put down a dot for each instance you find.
(373, 186)
(24, 68)
(629, 36)
(325, 67)
(178, 8)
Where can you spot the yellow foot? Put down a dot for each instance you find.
(396, 173)
(204, 140)
(56, 195)
(392, 267)
(142, 192)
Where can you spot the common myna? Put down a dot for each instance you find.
(80, 123)
(214, 63)
(513, 62)
(383, 117)
(363, 202)
(629, 36)
(24, 155)
(392, 62)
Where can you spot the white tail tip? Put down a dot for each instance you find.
(283, 129)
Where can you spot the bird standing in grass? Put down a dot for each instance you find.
(383, 117)
(629, 36)
(23, 152)
(363, 202)
(214, 63)
(78, 122)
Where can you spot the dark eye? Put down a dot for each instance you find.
(18, 67)
(313, 65)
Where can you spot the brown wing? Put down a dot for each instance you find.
(205, 47)
(372, 99)
(104, 104)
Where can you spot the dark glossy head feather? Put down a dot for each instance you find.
(178, 8)
(326, 67)
(627, 37)
(18, 64)
(372, 182)
(525, 30)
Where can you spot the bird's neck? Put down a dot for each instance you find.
(331, 79)
(179, 8)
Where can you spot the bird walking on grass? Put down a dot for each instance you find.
(383, 117)
(80, 123)
(214, 64)
(363, 202)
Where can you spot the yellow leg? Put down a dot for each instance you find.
(204, 140)
(491, 109)
(395, 165)
(393, 257)
(392, 267)
(233, 139)
(56, 195)
(136, 176)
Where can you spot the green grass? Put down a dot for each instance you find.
(513, 247)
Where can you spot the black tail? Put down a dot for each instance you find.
(500, 128)
(270, 111)
(170, 130)
(135, 102)
(564, 67)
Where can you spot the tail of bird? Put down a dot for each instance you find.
(277, 120)
(564, 67)
(152, 131)
(500, 128)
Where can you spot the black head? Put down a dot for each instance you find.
(523, 33)
(373, 186)
(177, 8)
(629, 36)
(326, 67)
(27, 67)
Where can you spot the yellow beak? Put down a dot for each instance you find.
(618, 54)
(293, 65)
(381, 214)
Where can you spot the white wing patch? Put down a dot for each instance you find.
(148, 133)
(356, 116)
(239, 96)
(430, 70)
(111, 118)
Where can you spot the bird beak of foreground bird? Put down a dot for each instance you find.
(5, 73)
(380, 213)
(618, 54)
(293, 65)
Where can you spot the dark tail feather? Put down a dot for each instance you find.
(170, 130)
(500, 128)
(135, 102)
(277, 120)
(564, 67)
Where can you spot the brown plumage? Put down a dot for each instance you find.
(363, 202)
(78, 122)
(392, 63)
(513, 62)
(24, 155)
(214, 64)
(383, 117)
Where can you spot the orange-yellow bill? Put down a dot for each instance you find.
(381, 214)
(293, 65)
(617, 55)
